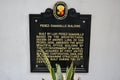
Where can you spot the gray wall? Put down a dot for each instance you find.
(14, 38)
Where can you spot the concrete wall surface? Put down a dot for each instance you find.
(104, 45)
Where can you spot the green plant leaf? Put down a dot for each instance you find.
(67, 71)
(74, 69)
(59, 75)
(43, 79)
(53, 74)
(70, 72)
(46, 60)
(48, 64)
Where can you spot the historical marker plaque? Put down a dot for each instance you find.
(63, 34)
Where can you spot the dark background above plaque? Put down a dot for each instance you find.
(48, 18)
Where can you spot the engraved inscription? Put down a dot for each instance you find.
(60, 46)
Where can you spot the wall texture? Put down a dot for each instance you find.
(14, 38)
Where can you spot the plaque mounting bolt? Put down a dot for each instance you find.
(82, 65)
(84, 21)
(36, 65)
(36, 20)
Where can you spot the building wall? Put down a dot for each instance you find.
(104, 45)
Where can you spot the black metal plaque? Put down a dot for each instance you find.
(64, 36)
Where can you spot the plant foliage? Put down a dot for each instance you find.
(58, 74)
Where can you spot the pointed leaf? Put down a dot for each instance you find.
(43, 79)
(70, 72)
(53, 74)
(59, 75)
(48, 64)
(67, 71)
(74, 69)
